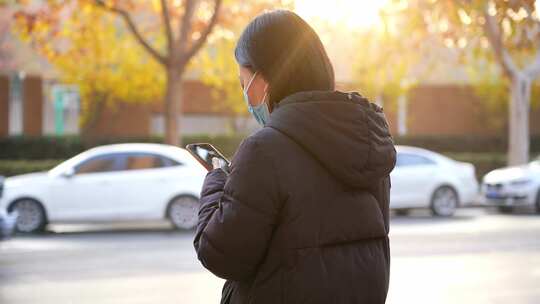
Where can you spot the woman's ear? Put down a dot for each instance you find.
(267, 97)
(263, 82)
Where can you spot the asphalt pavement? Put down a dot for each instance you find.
(478, 257)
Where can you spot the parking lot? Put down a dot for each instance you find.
(478, 256)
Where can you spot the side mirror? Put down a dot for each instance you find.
(69, 173)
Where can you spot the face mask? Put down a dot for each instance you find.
(260, 112)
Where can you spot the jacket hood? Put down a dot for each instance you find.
(346, 133)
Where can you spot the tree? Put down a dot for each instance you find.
(387, 64)
(384, 62)
(79, 47)
(180, 48)
(7, 52)
(504, 32)
(183, 29)
(216, 63)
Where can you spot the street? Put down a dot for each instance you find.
(478, 257)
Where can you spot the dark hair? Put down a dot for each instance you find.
(287, 52)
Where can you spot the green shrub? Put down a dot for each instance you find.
(470, 144)
(16, 167)
(483, 162)
(43, 147)
(53, 147)
(486, 153)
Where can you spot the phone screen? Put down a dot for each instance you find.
(204, 153)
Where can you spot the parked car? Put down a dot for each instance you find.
(110, 183)
(425, 179)
(510, 187)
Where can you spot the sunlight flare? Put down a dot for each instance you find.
(350, 13)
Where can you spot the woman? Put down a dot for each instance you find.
(302, 217)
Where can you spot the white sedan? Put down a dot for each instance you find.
(510, 187)
(425, 179)
(109, 183)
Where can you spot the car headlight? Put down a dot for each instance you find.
(521, 182)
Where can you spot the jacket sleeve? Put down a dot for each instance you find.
(238, 214)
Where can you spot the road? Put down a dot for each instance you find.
(476, 257)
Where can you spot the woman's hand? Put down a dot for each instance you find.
(219, 163)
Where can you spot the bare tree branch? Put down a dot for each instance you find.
(494, 36)
(133, 28)
(167, 24)
(185, 27)
(196, 46)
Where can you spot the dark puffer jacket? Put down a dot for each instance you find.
(303, 215)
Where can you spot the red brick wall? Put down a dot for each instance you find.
(134, 119)
(4, 106)
(457, 110)
(198, 99)
(32, 106)
(123, 119)
(432, 110)
(449, 110)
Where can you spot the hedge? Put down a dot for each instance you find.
(16, 167)
(27, 154)
(52, 147)
(484, 162)
(464, 144)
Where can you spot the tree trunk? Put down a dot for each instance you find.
(518, 148)
(172, 107)
(92, 114)
(402, 115)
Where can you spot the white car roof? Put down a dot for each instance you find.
(126, 147)
(169, 150)
(173, 152)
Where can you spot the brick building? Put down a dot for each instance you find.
(430, 110)
(32, 112)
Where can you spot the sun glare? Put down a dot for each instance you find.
(350, 13)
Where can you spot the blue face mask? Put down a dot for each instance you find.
(259, 112)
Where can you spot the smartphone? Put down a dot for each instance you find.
(204, 153)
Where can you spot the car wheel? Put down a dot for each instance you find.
(444, 201)
(402, 212)
(505, 209)
(183, 212)
(30, 215)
